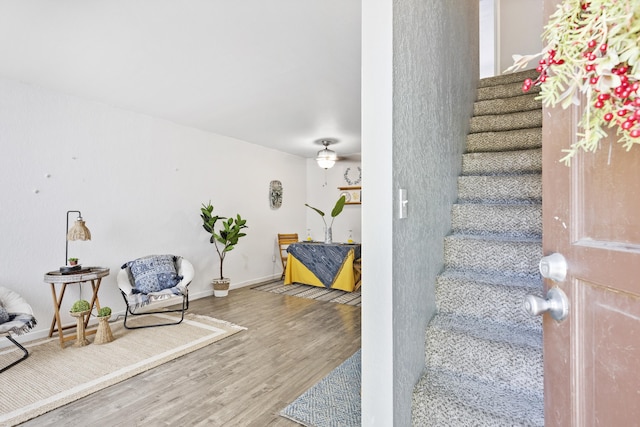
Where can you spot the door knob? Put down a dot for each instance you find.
(553, 267)
(556, 303)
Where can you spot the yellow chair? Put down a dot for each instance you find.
(284, 240)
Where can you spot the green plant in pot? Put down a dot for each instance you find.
(79, 310)
(337, 209)
(103, 333)
(224, 239)
(80, 306)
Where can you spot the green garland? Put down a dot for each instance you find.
(592, 53)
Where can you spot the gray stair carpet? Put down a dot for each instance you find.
(483, 352)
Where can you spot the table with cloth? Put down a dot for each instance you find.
(325, 265)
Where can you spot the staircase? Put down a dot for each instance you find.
(483, 353)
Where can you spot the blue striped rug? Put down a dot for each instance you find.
(333, 402)
(311, 292)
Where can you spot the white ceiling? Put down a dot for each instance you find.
(278, 73)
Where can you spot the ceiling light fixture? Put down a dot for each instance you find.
(326, 158)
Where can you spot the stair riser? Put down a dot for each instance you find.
(496, 189)
(506, 105)
(519, 139)
(523, 120)
(508, 366)
(508, 220)
(499, 163)
(503, 257)
(502, 304)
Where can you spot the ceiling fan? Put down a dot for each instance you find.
(326, 158)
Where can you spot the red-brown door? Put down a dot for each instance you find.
(591, 215)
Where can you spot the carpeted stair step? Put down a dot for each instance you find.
(504, 91)
(497, 189)
(494, 298)
(519, 220)
(519, 139)
(502, 122)
(443, 399)
(515, 257)
(507, 105)
(502, 162)
(508, 78)
(491, 352)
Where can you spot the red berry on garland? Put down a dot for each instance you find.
(635, 133)
(622, 113)
(626, 125)
(608, 117)
(591, 44)
(598, 104)
(603, 47)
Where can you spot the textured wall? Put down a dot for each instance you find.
(139, 182)
(435, 67)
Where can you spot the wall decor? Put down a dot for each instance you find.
(275, 194)
(353, 176)
(352, 195)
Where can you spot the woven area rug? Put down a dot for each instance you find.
(311, 292)
(52, 377)
(332, 402)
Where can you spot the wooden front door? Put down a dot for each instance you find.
(591, 215)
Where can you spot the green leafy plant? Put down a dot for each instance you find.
(80, 306)
(104, 312)
(337, 209)
(226, 238)
(73, 259)
(592, 54)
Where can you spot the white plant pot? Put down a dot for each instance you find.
(221, 287)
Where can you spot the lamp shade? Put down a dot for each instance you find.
(326, 158)
(79, 231)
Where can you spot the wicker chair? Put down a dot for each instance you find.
(17, 318)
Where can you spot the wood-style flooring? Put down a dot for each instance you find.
(244, 380)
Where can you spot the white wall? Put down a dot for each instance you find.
(323, 193)
(487, 37)
(519, 29)
(139, 182)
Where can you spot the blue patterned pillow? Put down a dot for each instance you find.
(154, 273)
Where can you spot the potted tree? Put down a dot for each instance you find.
(224, 240)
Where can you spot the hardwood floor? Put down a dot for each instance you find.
(244, 380)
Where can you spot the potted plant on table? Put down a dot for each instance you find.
(224, 239)
(73, 261)
(337, 209)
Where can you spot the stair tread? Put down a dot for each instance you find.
(506, 333)
(442, 398)
(534, 282)
(498, 163)
(495, 237)
(506, 140)
(507, 78)
(523, 102)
